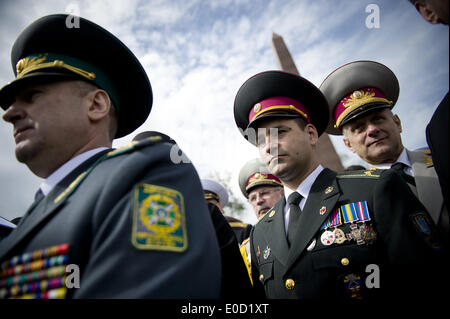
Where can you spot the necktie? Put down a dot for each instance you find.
(400, 168)
(294, 215)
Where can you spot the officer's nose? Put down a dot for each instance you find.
(259, 200)
(13, 113)
(271, 145)
(372, 130)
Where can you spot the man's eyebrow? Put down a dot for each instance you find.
(280, 126)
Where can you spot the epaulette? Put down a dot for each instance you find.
(134, 145)
(271, 212)
(426, 158)
(370, 173)
(238, 224)
(118, 151)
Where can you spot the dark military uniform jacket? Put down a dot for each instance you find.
(134, 223)
(331, 259)
(235, 281)
(241, 230)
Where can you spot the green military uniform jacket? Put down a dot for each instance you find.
(135, 224)
(398, 238)
(428, 190)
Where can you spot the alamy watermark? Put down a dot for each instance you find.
(373, 19)
(73, 19)
(73, 277)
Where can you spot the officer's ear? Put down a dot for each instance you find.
(99, 105)
(346, 140)
(397, 122)
(427, 13)
(312, 133)
(348, 144)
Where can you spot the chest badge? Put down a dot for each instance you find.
(327, 238)
(266, 253)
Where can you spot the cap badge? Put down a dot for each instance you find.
(357, 94)
(257, 107)
(257, 176)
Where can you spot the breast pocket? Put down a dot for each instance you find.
(345, 257)
(265, 272)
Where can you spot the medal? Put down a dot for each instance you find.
(335, 218)
(339, 236)
(327, 238)
(368, 234)
(355, 234)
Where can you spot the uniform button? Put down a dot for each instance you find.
(290, 283)
(261, 277)
(345, 261)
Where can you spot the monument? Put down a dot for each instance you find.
(325, 150)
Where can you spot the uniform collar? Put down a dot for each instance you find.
(305, 186)
(50, 182)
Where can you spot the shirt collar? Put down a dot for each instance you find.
(64, 170)
(403, 158)
(305, 186)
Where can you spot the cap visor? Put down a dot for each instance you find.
(9, 92)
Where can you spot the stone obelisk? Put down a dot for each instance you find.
(325, 150)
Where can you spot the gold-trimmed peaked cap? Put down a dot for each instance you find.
(49, 50)
(278, 94)
(254, 173)
(356, 89)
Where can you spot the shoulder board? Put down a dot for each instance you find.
(270, 212)
(118, 151)
(238, 224)
(426, 158)
(134, 145)
(426, 151)
(370, 173)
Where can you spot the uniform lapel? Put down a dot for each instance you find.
(274, 233)
(427, 184)
(324, 193)
(40, 211)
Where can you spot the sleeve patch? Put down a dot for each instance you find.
(159, 220)
(425, 227)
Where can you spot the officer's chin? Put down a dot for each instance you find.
(262, 211)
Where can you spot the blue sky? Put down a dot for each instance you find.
(198, 53)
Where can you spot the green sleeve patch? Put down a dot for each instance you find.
(159, 220)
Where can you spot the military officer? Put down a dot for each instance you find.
(361, 95)
(216, 194)
(437, 131)
(261, 188)
(336, 233)
(132, 222)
